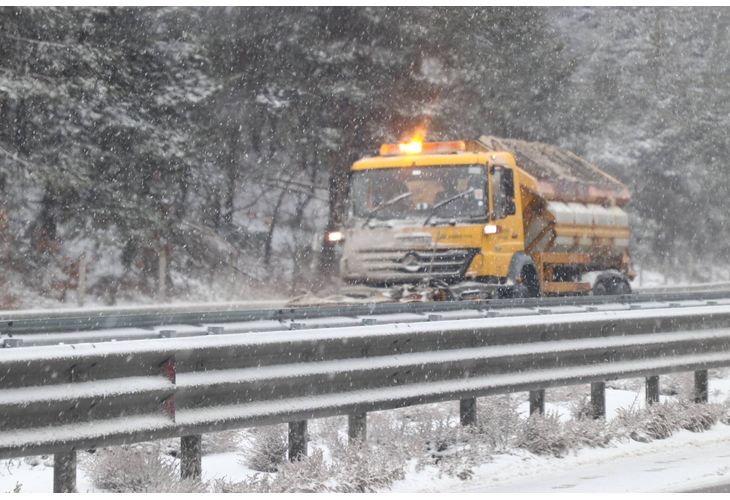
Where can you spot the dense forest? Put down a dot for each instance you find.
(221, 137)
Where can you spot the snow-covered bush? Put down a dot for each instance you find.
(581, 408)
(455, 450)
(678, 384)
(221, 442)
(542, 435)
(659, 421)
(359, 469)
(547, 435)
(364, 468)
(697, 417)
(412, 431)
(136, 470)
(588, 432)
(267, 448)
(629, 424)
(436, 439)
(725, 415)
(307, 475)
(498, 421)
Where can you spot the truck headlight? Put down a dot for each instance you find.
(335, 236)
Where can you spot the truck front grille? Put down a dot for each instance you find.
(413, 265)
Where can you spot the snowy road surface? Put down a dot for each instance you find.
(722, 488)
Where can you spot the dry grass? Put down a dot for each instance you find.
(222, 442)
(542, 435)
(137, 470)
(660, 421)
(358, 469)
(498, 421)
(266, 448)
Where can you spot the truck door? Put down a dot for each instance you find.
(506, 214)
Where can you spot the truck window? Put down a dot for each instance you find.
(428, 186)
(503, 189)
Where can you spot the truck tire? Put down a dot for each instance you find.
(611, 284)
(528, 285)
(600, 288)
(622, 287)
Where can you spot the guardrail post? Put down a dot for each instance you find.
(64, 472)
(297, 440)
(468, 411)
(357, 427)
(166, 334)
(215, 330)
(652, 390)
(191, 456)
(701, 389)
(537, 401)
(12, 342)
(598, 399)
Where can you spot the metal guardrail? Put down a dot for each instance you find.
(57, 399)
(32, 328)
(699, 287)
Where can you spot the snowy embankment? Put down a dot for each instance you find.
(685, 461)
(426, 451)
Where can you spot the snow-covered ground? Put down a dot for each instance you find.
(648, 279)
(685, 461)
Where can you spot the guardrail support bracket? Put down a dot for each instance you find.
(598, 399)
(537, 401)
(357, 427)
(468, 411)
(191, 456)
(701, 386)
(297, 440)
(652, 390)
(64, 472)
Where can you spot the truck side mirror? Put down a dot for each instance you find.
(503, 191)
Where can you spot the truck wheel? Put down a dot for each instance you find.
(622, 288)
(612, 286)
(600, 288)
(528, 286)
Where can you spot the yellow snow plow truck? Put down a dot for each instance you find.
(487, 218)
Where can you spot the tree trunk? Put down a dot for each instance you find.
(272, 226)
(231, 177)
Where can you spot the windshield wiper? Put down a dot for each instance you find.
(446, 202)
(391, 201)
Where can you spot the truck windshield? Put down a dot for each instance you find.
(428, 186)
